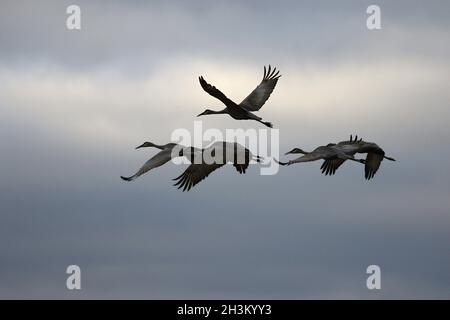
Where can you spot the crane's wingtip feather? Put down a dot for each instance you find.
(126, 178)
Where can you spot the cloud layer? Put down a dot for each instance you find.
(74, 104)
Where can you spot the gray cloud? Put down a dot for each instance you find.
(73, 105)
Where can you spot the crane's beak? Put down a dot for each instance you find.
(200, 114)
(289, 152)
(141, 146)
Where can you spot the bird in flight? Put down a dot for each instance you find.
(375, 155)
(254, 101)
(336, 154)
(203, 161)
(327, 153)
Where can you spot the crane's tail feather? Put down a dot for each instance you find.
(267, 124)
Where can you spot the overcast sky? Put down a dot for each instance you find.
(75, 104)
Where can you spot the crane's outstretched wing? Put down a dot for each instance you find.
(351, 141)
(158, 160)
(349, 147)
(197, 172)
(373, 161)
(213, 91)
(256, 99)
(194, 174)
(330, 166)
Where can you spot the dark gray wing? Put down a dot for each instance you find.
(373, 161)
(256, 99)
(194, 174)
(159, 159)
(213, 91)
(330, 166)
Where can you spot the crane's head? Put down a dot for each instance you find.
(206, 112)
(145, 145)
(296, 150)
